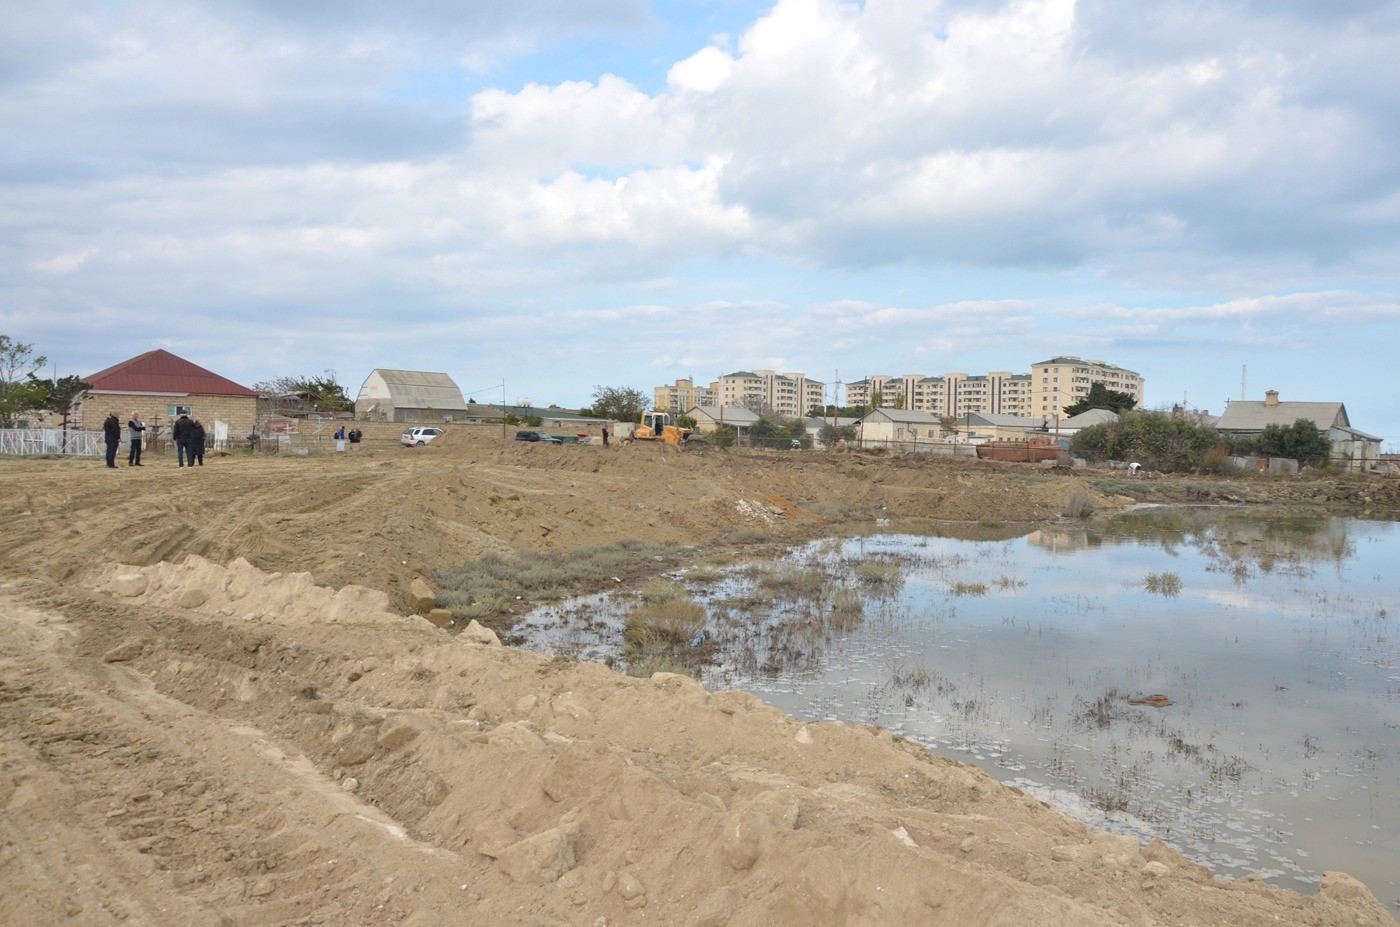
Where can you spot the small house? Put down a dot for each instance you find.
(162, 387)
(1351, 449)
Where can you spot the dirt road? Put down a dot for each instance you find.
(195, 731)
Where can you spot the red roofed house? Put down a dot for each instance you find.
(161, 386)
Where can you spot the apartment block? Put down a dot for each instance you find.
(1017, 396)
(1052, 384)
(1062, 381)
(891, 391)
(681, 396)
(936, 395)
(743, 388)
(790, 395)
(1000, 392)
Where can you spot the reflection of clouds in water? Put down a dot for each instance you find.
(1241, 598)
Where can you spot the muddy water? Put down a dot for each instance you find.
(1271, 643)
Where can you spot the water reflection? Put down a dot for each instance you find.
(1034, 657)
(1226, 534)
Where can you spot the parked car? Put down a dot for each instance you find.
(417, 437)
(542, 436)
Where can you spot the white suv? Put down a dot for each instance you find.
(417, 437)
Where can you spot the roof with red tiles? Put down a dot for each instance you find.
(160, 371)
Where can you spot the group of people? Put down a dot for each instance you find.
(189, 440)
(355, 434)
(188, 433)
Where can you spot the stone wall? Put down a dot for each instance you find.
(239, 411)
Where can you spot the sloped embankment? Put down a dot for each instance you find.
(248, 748)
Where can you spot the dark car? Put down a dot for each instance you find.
(542, 436)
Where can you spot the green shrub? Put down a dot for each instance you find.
(666, 623)
(788, 581)
(665, 636)
(1155, 439)
(880, 574)
(743, 535)
(492, 584)
(704, 574)
(1302, 441)
(662, 590)
(724, 436)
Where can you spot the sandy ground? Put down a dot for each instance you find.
(215, 710)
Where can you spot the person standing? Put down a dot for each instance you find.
(134, 428)
(112, 434)
(197, 443)
(605, 436)
(182, 432)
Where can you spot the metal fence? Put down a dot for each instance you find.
(35, 442)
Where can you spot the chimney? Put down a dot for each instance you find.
(1271, 399)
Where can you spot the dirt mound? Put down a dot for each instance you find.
(279, 751)
(261, 734)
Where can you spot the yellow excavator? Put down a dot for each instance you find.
(657, 426)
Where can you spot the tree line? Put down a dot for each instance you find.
(23, 391)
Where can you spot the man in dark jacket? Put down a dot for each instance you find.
(183, 432)
(197, 443)
(112, 434)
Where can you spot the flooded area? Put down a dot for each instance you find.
(1226, 682)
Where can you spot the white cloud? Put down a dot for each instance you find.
(65, 263)
(1018, 171)
(703, 72)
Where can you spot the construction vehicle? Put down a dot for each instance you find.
(657, 426)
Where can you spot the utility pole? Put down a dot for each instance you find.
(835, 408)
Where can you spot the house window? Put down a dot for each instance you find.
(174, 411)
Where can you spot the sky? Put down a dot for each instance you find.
(545, 196)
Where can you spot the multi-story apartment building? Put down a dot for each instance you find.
(891, 391)
(741, 388)
(682, 395)
(1016, 396)
(1043, 393)
(926, 394)
(1064, 380)
(790, 395)
(858, 393)
(998, 392)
